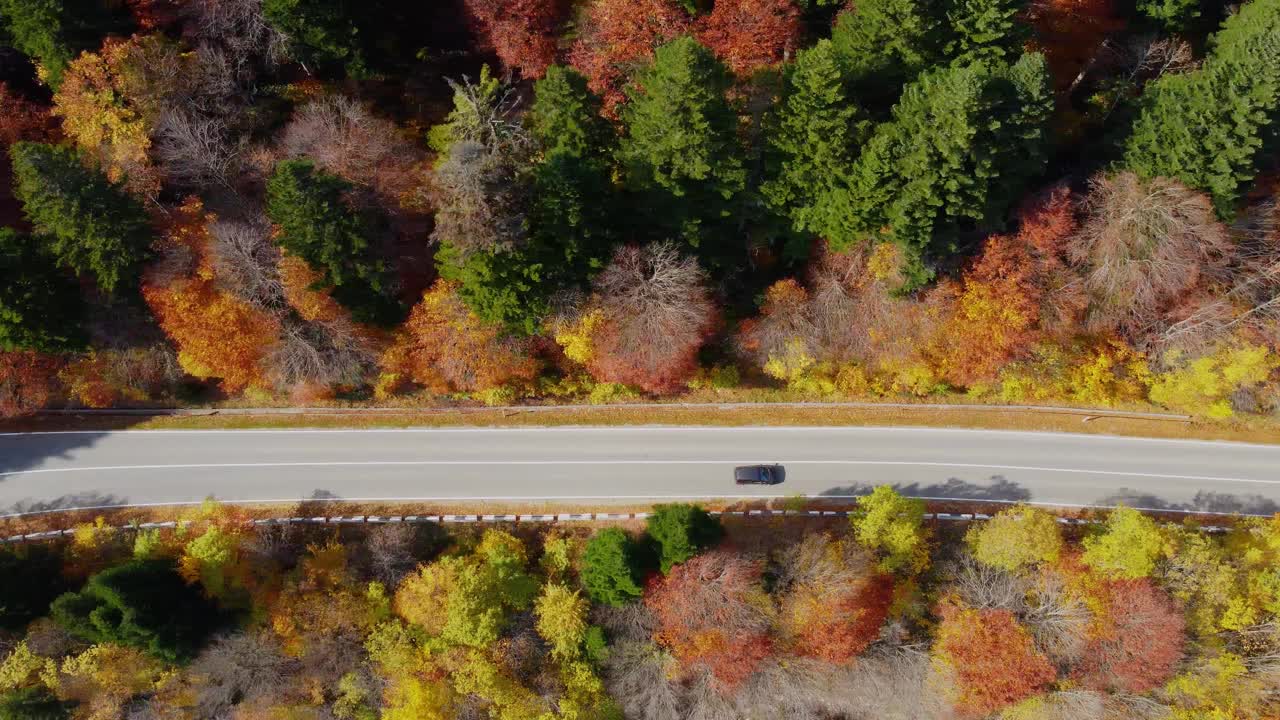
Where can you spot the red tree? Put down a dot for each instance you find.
(713, 614)
(521, 32)
(992, 658)
(749, 34)
(843, 627)
(1141, 640)
(619, 35)
(27, 382)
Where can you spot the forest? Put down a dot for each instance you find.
(279, 202)
(883, 616)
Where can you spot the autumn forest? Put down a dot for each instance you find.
(280, 202)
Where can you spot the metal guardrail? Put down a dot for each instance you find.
(532, 518)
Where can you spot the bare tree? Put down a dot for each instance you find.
(657, 313)
(193, 149)
(234, 669)
(1058, 619)
(345, 139)
(239, 29)
(820, 560)
(636, 674)
(329, 353)
(1145, 245)
(1143, 59)
(245, 260)
(984, 587)
(480, 196)
(390, 549)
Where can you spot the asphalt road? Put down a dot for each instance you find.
(56, 470)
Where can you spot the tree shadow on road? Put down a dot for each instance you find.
(1204, 501)
(999, 488)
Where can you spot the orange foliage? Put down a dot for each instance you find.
(1070, 33)
(217, 334)
(446, 348)
(1007, 299)
(839, 626)
(749, 34)
(618, 35)
(521, 32)
(1140, 639)
(300, 291)
(713, 614)
(992, 658)
(27, 382)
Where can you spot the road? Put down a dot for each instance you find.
(81, 469)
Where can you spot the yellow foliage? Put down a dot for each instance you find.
(477, 675)
(562, 619)
(792, 363)
(422, 599)
(577, 336)
(1204, 386)
(304, 291)
(416, 698)
(23, 668)
(103, 677)
(1104, 374)
(1219, 689)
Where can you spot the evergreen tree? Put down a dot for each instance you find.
(52, 32)
(962, 143)
(32, 703)
(610, 569)
(317, 225)
(985, 30)
(885, 44)
(1173, 16)
(144, 604)
(815, 135)
(1208, 128)
(567, 238)
(40, 306)
(322, 33)
(91, 225)
(682, 531)
(680, 152)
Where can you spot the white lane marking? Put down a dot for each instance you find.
(653, 428)
(425, 463)
(527, 498)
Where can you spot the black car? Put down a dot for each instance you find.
(758, 474)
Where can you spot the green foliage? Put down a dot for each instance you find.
(30, 578)
(52, 32)
(815, 134)
(1172, 15)
(322, 33)
(1208, 128)
(40, 306)
(33, 703)
(962, 143)
(90, 225)
(144, 604)
(885, 44)
(319, 226)
(681, 531)
(1016, 538)
(611, 569)
(893, 526)
(1128, 545)
(568, 238)
(985, 30)
(595, 646)
(681, 153)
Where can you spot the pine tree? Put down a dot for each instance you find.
(885, 44)
(567, 238)
(815, 135)
(680, 152)
(1208, 128)
(91, 225)
(962, 143)
(985, 30)
(40, 306)
(52, 32)
(610, 568)
(317, 225)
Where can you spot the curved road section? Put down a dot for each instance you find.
(43, 471)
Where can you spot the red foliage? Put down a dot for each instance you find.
(27, 382)
(521, 32)
(1070, 33)
(992, 658)
(712, 614)
(842, 628)
(1141, 642)
(750, 34)
(20, 119)
(1013, 294)
(152, 15)
(619, 35)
